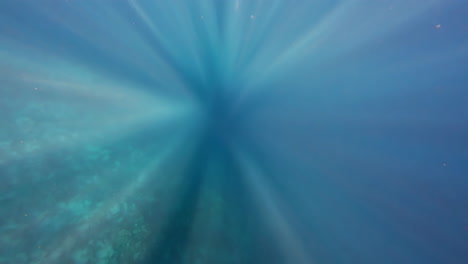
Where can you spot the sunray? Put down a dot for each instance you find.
(240, 131)
(98, 107)
(270, 204)
(96, 219)
(328, 35)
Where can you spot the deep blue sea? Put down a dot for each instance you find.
(234, 131)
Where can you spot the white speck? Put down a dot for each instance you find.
(252, 17)
(438, 26)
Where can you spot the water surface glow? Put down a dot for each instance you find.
(233, 131)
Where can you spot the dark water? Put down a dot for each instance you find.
(212, 131)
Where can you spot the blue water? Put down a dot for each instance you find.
(240, 131)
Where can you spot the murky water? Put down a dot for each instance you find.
(242, 131)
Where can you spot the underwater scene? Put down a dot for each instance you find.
(233, 131)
